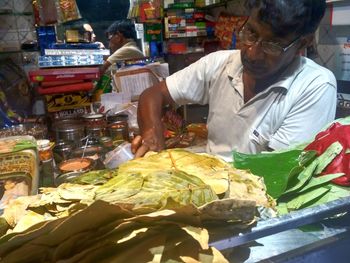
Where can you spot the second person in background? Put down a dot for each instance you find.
(122, 43)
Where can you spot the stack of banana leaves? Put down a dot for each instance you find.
(296, 178)
(160, 208)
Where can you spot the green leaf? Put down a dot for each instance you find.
(307, 157)
(327, 156)
(303, 177)
(293, 176)
(316, 167)
(273, 167)
(335, 193)
(307, 198)
(282, 208)
(317, 181)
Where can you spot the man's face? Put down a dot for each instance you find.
(256, 61)
(115, 42)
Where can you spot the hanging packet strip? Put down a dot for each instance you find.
(341, 163)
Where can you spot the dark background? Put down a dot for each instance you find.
(102, 13)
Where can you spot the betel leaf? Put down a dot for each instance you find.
(317, 181)
(293, 176)
(327, 156)
(273, 167)
(307, 157)
(335, 193)
(303, 177)
(316, 167)
(306, 198)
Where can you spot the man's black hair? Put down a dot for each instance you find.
(300, 17)
(126, 27)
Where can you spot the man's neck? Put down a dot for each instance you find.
(253, 86)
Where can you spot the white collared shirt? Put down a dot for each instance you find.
(290, 111)
(128, 51)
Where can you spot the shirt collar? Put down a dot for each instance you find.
(130, 43)
(235, 69)
(289, 74)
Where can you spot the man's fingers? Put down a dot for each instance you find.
(136, 144)
(141, 151)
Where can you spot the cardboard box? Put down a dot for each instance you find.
(85, 86)
(58, 102)
(62, 74)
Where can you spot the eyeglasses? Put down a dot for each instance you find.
(270, 48)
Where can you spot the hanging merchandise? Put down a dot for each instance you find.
(149, 10)
(45, 12)
(67, 10)
(227, 28)
(153, 32)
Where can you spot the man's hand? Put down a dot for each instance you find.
(149, 114)
(150, 141)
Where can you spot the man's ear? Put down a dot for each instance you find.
(120, 35)
(306, 41)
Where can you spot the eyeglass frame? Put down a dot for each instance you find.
(109, 37)
(282, 49)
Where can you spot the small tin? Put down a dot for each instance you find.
(66, 177)
(119, 131)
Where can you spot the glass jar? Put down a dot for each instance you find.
(47, 172)
(119, 131)
(94, 120)
(45, 151)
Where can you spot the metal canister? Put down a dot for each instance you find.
(95, 132)
(62, 150)
(94, 120)
(95, 125)
(117, 117)
(119, 131)
(69, 130)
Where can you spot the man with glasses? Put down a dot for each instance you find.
(263, 97)
(122, 43)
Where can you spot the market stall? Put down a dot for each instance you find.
(72, 191)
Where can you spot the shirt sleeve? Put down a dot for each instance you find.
(312, 112)
(116, 56)
(192, 84)
(124, 54)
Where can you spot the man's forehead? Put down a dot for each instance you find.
(264, 30)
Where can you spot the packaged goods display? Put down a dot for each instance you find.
(19, 168)
(37, 130)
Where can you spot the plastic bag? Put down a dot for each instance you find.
(341, 163)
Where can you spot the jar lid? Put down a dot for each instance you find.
(93, 116)
(42, 144)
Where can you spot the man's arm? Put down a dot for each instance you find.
(104, 67)
(151, 103)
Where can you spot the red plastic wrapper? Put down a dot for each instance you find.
(341, 163)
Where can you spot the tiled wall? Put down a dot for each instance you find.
(328, 48)
(16, 27)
